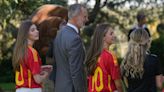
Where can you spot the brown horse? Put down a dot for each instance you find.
(48, 19)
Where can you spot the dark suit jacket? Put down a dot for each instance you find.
(69, 56)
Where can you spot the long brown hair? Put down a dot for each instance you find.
(20, 49)
(134, 59)
(96, 47)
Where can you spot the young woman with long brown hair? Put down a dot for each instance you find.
(102, 67)
(29, 74)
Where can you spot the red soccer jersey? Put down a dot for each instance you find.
(31, 66)
(106, 72)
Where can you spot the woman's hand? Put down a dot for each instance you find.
(47, 68)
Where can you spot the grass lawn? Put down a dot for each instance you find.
(7, 87)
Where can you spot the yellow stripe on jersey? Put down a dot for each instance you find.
(109, 79)
(34, 52)
(19, 73)
(29, 78)
(114, 59)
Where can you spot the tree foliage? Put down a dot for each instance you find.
(122, 15)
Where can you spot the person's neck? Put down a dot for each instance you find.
(30, 43)
(106, 46)
(140, 25)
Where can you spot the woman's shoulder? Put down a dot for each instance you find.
(107, 52)
(152, 58)
(111, 56)
(32, 51)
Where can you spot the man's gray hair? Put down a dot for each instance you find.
(74, 9)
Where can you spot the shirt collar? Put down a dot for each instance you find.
(73, 26)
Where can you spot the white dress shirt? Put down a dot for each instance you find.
(73, 26)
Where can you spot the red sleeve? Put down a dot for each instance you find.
(34, 61)
(113, 67)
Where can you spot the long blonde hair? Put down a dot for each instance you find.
(20, 49)
(132, 64)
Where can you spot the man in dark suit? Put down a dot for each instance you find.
(141, 19)
(69, 53)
